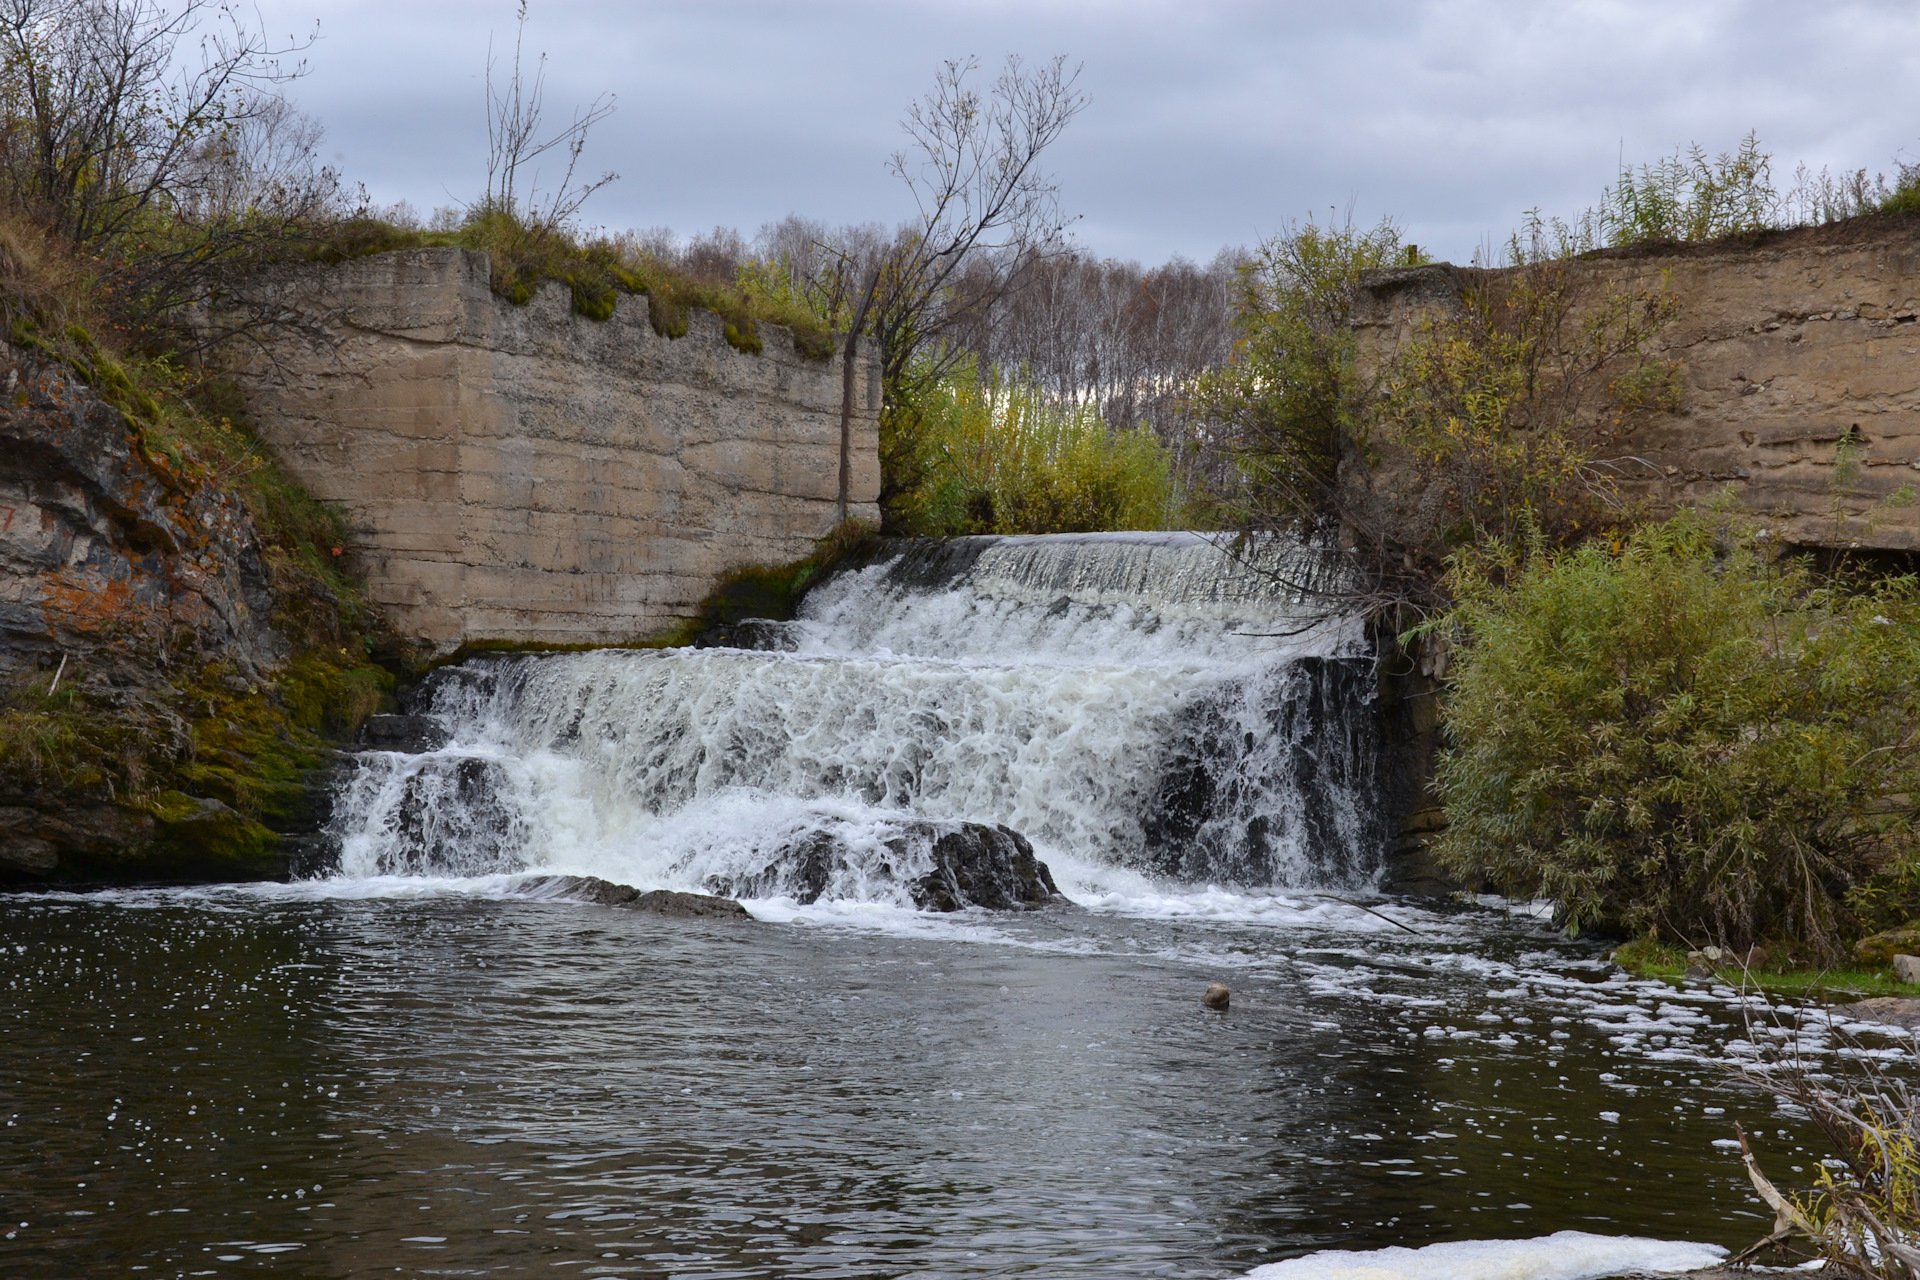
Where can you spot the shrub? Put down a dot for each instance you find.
(1009, 461)
(1287, 401)
(1862, 1215)
(1689, 197)
(1666, 736)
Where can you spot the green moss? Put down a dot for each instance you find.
(1648, 958)
(814, 343)
(744, 338)
(1879, 949)
(774, 591)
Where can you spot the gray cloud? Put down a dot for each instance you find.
(1210, 124)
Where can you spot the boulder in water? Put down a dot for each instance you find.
(973, 864)
(977, 865)
(413, 735)
(1216, 996)
(608, 893)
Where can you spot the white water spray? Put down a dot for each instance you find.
(1143, 702)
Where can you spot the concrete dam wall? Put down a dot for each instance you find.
(1798, 363)
(527, 475)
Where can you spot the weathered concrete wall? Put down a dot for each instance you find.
(524, 474)
(1786, 348)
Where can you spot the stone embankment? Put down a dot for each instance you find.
(522, 474)
(1797, 358)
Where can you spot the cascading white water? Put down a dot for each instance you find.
(1140, 701)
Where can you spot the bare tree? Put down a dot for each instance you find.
(972, 167)
(110, 106)
(517, 139)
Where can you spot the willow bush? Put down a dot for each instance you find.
(1009, 460)
(1670, 735)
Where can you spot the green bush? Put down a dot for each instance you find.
(1006, 460)
(1669, 736)
(1287, 402)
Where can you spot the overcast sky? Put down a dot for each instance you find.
(1209, 124)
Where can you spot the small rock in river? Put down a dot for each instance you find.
(1217, 995)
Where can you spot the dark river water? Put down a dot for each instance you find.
(426, 1082)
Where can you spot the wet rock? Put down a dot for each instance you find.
(413, 735)
(1907, 969)
(767, 634)
(1217, 996)
(974, 864)
(1895, 1011)
(311, 857)
(689, 906)
(607, 893)
(37, 841)
(982, 866)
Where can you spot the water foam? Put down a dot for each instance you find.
(1145, 708)
(1564, 1255)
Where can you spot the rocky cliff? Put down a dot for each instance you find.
(167, 672)
(525, 474)
(1797, 356)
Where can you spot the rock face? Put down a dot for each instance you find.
(525, 474)
(121, 582)
(106, 554)
(972, 865)
(412, 734)
(1798, 362)
(660, 902)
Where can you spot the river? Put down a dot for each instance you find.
(409, 1067)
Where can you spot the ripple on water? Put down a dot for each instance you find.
(217, 1080)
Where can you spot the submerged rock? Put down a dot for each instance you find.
(608, 893)
(1897, 1011)
(973, 864)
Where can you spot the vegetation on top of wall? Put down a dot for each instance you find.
(1694, 197)
(596, 273)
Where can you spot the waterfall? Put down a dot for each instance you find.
(1146, 702)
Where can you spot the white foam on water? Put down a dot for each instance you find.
(1119, 701)
(1564, 1255)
